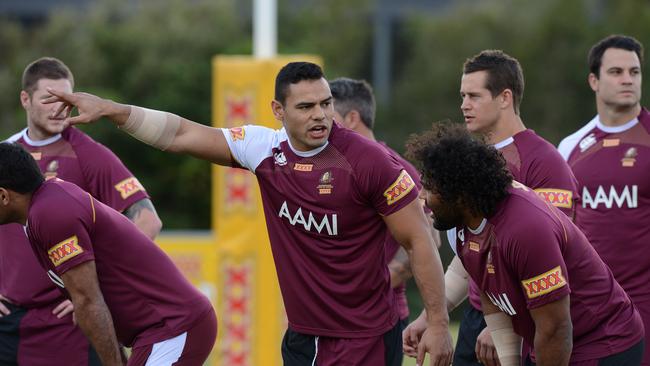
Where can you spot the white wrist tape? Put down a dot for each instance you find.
(152, 127)
(506, 341)
(456, 284)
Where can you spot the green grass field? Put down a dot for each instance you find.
(453, 329)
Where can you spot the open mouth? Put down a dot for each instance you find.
(317, 131)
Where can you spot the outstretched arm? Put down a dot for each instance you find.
(410, 228)
(91, 312)
(162, 130)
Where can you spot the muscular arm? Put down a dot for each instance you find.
(203, 142)
(91, 312)
(553, 332)
(145, 217)
(410, 228)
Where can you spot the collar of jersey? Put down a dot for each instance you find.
(615, 129)
(307, 154)
(47, 141)
(479, 229)
(501, 144)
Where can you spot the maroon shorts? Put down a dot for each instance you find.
(191, 348)
(307, 350)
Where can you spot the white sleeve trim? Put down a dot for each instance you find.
(254, 145)
(15, 137)
(569, 143)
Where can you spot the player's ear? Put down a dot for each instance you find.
(352, 119)
(506, 98)
(278, 110)
(4, 196)
(24, 98)
(593, 81)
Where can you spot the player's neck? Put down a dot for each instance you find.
(473, 223)
(504, 128)
(610, 116)
(37, 134)
(365, 132)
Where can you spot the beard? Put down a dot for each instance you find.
(446, 219)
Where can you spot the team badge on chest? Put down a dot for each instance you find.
(629, 158)
(325, 186)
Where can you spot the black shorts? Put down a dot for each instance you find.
(471, 326)
(306, 350)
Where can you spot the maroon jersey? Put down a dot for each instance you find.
(612, 165)
(528, 254)
(392, 245)
(148, 297)
(536, 163)
(76, 158)
(324, 213)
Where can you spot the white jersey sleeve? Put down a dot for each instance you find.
(250, 144)
(15, 137)
(570, 142)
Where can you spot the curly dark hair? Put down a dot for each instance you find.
(18, 169)
(460, 167)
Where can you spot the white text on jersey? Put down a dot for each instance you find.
(328, 222)
(601, 196)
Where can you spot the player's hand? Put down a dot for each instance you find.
(486, 353)
(90, 107)
(63, 309)
(411, 336)
(3, 309)
(437, 342)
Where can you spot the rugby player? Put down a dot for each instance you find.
(538, 274)
(607, 157)
(123, 287)
(35, 317)
(330, 196)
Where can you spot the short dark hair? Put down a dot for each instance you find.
(45, 68)
(460, 167)
(503, 72)
(18, 169)
(350, 94)
(595, 58)
(292, 73)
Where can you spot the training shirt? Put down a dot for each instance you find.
(148, 297)
(536, 163)
(612, 165)
(528, 254)
(323, 212)
(74, 157)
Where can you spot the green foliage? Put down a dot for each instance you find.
(550, 38)
(157, 54)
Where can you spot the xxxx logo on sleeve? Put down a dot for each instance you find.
(556, 197)
(65, 250)
(128, 187)
(544, 283)
(237, 133)
(400, 188)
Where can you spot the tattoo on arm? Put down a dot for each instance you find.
(133, 211)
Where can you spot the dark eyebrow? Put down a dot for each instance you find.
(310, 104)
